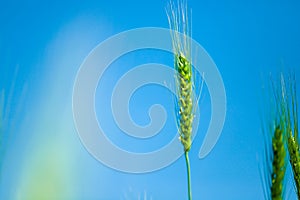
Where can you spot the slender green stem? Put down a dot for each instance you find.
(187, 161)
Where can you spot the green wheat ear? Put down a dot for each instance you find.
(185, 103)
(279, 164)
(178, 20)
(293, 148)
(185, 106)
(275, 149)
(290, 111)
(278, 169)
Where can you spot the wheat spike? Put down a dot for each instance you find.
(276, 161)
(185, 106)
(290, 112)
(185, 103)
(178, 20)
(278, 164)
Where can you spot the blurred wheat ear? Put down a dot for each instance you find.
(290, 111)
(274, 168)
(279, 164)
(185, 104)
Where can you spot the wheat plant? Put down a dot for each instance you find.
(276, 162)
(290, 111)
(185, 104)
(275, 147)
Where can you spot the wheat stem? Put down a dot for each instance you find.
(187, 161)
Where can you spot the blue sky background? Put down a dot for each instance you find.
(42, 45)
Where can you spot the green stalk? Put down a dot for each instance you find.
(187, 161)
